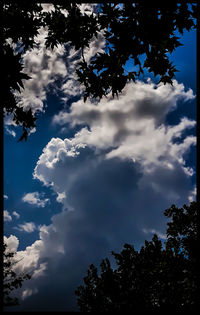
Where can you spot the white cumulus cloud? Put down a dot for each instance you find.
(12, 243)
(28, 227)
(36, 199)
(46, 65)
(43, 65)
(132, 127)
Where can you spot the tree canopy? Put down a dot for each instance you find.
(11, 280)
(156, 278)
(130, 31)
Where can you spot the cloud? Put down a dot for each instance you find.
(16, 214)
(10, 131)
(132, 127)
(61, 197)
(5, 196)
(28, 227)
(153, 231)
(12, 243)
(138, 101)
(46, 66)
(8, 124)
(117, 175)
(36, 199)
(7, 216)
(71, 86)
(40, 271)
(28, 292)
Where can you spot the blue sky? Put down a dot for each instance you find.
(77, 196)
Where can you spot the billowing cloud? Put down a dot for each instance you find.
(120, 133)
(36, 199)
(27, 227)
(7, 216)
(116, 175)
(71, 86)
(138, 114)
(12, 243)
(45, 66)
(132, 127)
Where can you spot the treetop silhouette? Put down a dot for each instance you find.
(158, 277)
(130, 31)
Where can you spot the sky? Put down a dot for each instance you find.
(91, 177)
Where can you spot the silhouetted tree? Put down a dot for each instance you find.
(130, 30)
(20, 22)
(156, 278)
(11, 280)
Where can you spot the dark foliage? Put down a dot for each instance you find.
(11, 280)
(130, 31)
(156, 278)
(20, 23)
